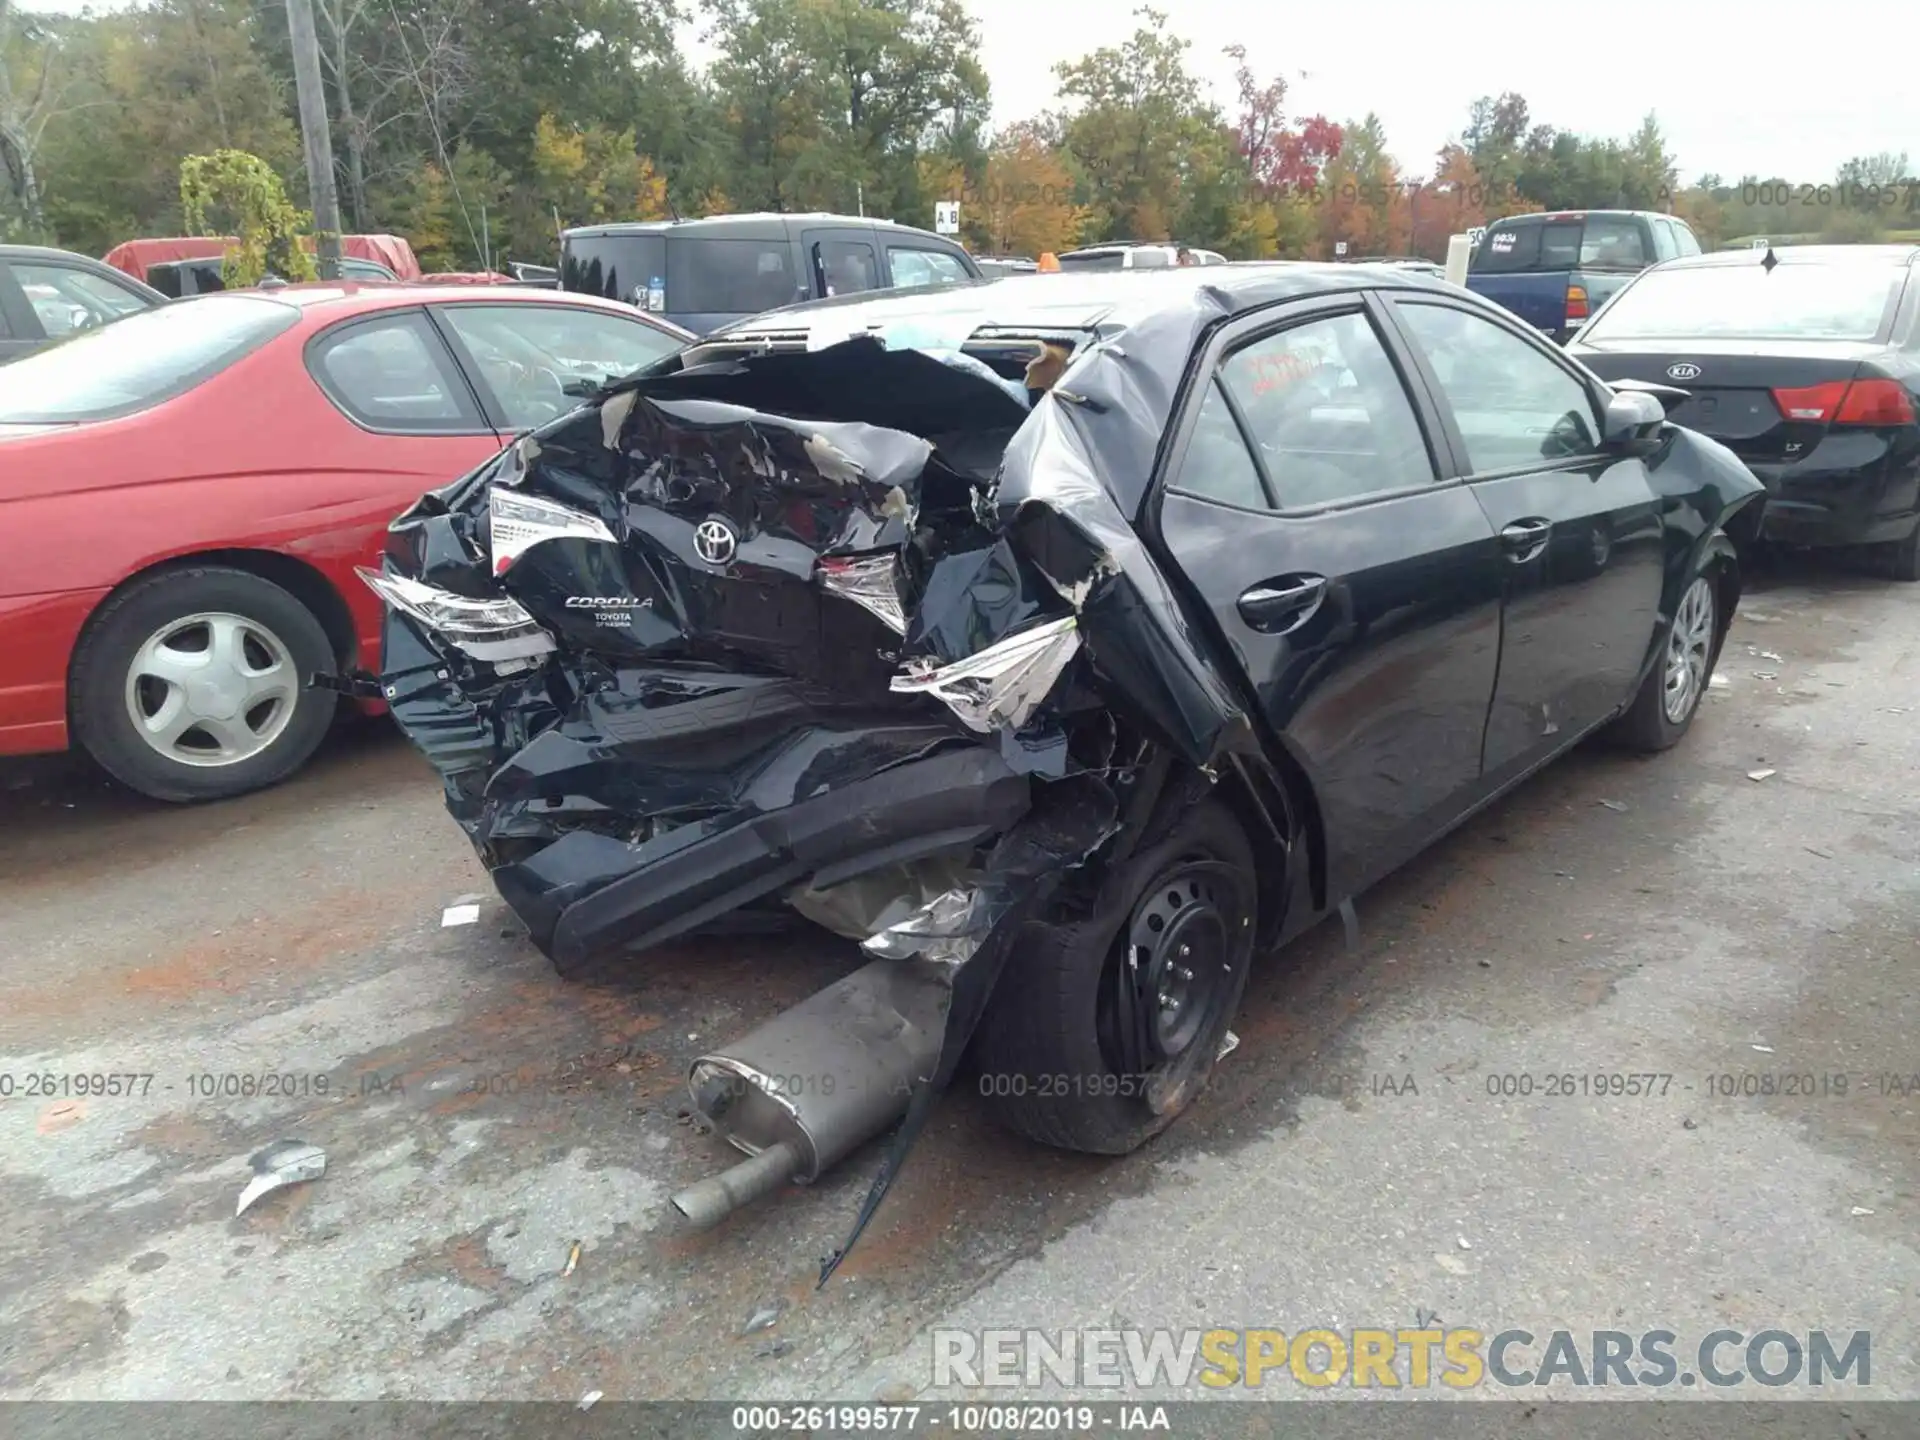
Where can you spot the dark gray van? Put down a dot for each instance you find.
(702, 274)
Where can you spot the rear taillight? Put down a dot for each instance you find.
(1812, 402)
(1876, 402)
(1576, 302)
(1864, 402)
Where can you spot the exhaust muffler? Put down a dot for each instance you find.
(817, 1081)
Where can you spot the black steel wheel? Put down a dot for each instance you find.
(1106, 1027)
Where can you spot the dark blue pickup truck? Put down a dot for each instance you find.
(1555, 270)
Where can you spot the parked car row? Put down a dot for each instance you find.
(122, 456)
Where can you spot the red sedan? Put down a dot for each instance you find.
(185, 493)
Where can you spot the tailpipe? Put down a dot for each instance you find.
(816, 1082)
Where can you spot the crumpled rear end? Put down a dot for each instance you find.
(698, 655)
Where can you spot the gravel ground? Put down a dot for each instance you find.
(1348, 1167)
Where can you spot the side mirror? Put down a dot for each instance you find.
(1632, 423)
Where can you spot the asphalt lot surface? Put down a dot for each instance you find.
(1668, 916)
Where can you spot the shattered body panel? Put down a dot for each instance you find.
(857, 620)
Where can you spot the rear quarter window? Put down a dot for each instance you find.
(730, 277)
(140, 360)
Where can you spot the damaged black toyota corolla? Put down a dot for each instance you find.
(1064, 639)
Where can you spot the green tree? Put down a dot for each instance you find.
(1133, 122)
(232, 192)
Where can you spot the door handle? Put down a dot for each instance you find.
(1277, 606)
(1524, 539)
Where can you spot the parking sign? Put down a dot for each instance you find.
(946, 217)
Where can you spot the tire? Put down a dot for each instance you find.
(1904, 557)
(1046, 1053)
(1651, 724)
(244, 725)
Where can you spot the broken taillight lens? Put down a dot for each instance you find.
(497, 629)
(517, 522)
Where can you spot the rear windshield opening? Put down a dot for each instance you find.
(620, 267)
(140, 360)
(1597, 242)
(1747, 302)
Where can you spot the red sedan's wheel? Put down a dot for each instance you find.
(192, 685)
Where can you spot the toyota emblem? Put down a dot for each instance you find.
(714, 541)
(1685, 370)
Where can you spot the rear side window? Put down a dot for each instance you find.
(140, 360)
(730, 277)
(1328, 411)
(620, 267)
(1099, 260)
(846, 267)
(1218, 465)
(1684, 235)
(1611, 243)
(394, 374)
(1504, 250)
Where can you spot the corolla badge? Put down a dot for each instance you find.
(714, 541)
(1685, 370)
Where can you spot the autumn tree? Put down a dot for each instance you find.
(1027, 202)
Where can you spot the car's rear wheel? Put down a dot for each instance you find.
(1670, 696)
(1104, 1029)
(191, 684)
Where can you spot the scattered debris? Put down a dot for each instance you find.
(1484, 964)
(1766, 674)
(1719, 682)
(588, 1400)
(285, 1162)
(1689, 1123)
(459, 915)
(1760, 774)
(1860, 1210)
(1451, 1264)
(1227, 1047)
(1464, 1245)
(762, 1319)
(573, 1261)
(1764, 1049)
(773, 1350)
(1612, 805)
(1816, 850)
(1769, 655)
(1425, 1319)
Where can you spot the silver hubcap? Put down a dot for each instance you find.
(1688, 649)
(211, 689)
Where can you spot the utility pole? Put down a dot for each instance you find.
(313, 132)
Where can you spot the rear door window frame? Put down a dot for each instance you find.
(473, 420)
(1258, 325)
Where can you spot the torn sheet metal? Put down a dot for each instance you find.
(851, 634)
(1002, 685)
(283, 1163)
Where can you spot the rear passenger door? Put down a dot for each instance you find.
(1580, 528)
(1304, 504)
(843, 260)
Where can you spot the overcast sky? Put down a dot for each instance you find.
(1739, 87)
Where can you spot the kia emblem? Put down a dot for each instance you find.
(1685, 370)
(714, 541)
